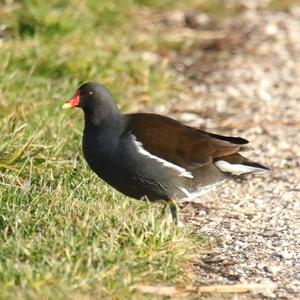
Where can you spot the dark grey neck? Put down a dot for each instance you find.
(101, 140)
(112, 122)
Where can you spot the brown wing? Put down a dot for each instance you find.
(177, 143)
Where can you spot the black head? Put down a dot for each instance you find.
(96, 101)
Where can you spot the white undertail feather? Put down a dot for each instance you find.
(236, 169)
(181, 171)
(224, 166)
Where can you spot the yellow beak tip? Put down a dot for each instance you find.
(66, 105)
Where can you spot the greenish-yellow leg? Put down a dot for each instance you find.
(173, 209)
(163, 209)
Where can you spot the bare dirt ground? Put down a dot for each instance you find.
(243, 72)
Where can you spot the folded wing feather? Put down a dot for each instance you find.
(179, 144)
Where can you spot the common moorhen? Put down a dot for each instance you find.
(151, 156)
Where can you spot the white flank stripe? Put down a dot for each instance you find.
(236, 169)
(182, 172)
(186, 192)
(202, 190)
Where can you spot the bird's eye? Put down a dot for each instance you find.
(87, 93)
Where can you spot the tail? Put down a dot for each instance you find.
(209, 176)
(237, 164)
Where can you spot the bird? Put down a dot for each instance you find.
(151, 156)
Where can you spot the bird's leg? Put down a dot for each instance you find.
(173, 209)
(163, 209)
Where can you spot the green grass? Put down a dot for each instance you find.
(282, 5)
(64, 232)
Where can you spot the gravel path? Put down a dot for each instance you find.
(245, 80)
